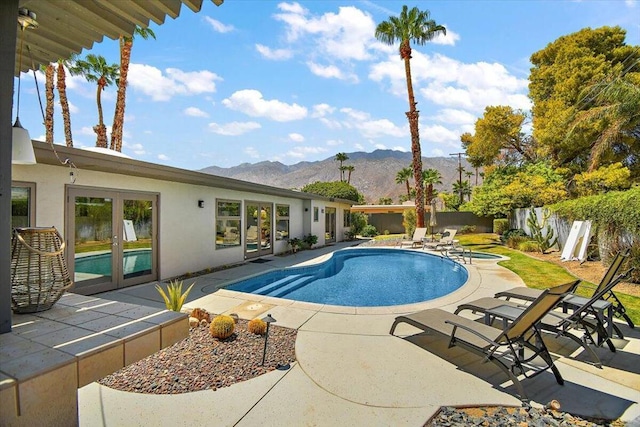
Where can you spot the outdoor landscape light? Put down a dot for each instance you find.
(21, 146)
(268, 320)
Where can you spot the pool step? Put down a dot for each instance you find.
(275, 285)
(290, 287)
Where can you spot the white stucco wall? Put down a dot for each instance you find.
(186, 232)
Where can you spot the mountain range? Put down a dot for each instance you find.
(374, 173)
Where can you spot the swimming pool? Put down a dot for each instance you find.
(134, 262)
(363, 278)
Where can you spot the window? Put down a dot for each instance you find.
(315, 214)
(23, 212)
(282, 222)
(228, 224)
(346, 221)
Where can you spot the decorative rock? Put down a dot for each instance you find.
(204, 323)
(193, 322)
(235, 317)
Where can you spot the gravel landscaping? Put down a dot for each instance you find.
(201, 362)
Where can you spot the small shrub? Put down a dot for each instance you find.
(222, 327)
(173, 297)
(310, 240)
(386, 232)
(511, 233)
(349, 235)
(467, 229)
(514, 241)
(369, 231)
(295, 244)
(529, 246)
(257, 326)
(500, 225)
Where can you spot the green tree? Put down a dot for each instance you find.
(614, 177)
(560, 73)
(463, 188)
(337, 189)
(430, 177)
(349, 169)
(385, 201)
(411, 26)
(403, 176)
(95, 69)
(126, 44)
(341, 157)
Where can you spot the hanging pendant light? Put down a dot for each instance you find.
(21, 147)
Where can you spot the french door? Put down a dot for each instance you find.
(111, 238)
(330, 225)
(258, 224)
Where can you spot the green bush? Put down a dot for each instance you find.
(514, 241)
(467, 229)
(529, 246)
(369, 231)
(337, 189)
(310, 240)
(511, 233)
(409, 221)
(500, 225)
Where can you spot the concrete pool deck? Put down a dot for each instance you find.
(350, 371)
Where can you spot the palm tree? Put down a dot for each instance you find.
(94, 68)
(469, 175)
(463, 189)
(49, 71)
(126, 44)
(341, 157)
(403, 176)
(385, 201)
(64, 101)
(350, 169)
(430, 177)
(412, 25)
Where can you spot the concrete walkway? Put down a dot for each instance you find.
(350, 371)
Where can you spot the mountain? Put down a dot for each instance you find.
(374, 175)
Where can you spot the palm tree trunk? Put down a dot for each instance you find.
(48, 119)
(412, 116)
(349, 178)
(100, 129)
(64, 103)
(118, 118)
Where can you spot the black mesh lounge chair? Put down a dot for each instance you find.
(590, 319)
(529, 294)
(511, 349)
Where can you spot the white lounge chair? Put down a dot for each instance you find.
(417, 239)
(445, 240)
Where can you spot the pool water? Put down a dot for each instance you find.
(363, 278)
(134, 261)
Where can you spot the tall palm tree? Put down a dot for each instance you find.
(341, 157)
(349, 169)
(126, 44)
(49, 71)
(463, 189)
(94, 68)
(61, 80)
(430, 177)
(403, 176)
(412, 25)
(469, 175)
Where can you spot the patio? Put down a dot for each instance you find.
(350, 371)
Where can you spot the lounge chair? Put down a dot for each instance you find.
(586, 317)
(418, 237)
(503, 347)
(445, 240)
(529, 294)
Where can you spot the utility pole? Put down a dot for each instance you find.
(460, 174)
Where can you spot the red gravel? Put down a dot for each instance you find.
(201, 362)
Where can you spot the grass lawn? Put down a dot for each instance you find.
(536, 273)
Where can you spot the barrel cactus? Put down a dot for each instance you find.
(222, 327)
(257, 326)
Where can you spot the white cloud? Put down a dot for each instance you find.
(631, 3)
(163, 157)
(436, 152)
(358, 146)
(137, 149)
(87, 130)
(300, 152)
(321, 110)
(218, 26)
(251, 103)
(372, 128)
(450, 39)
(330, 72)
(334, 142)
(331, 124)
(455, 117)
(195, 112)
(400, 148)
(274, 54)
(251, 152)
(296, 137)
(233, 128)
(162, 87)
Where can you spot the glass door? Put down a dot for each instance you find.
(330, 225)
(258, 224)
(110, 238)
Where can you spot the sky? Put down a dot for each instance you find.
(261, 80)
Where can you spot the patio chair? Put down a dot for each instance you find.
(511, 349)
(445, 240)
(530, 294)
(418, 236)
(589, 317)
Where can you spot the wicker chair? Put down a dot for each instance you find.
(39, 274)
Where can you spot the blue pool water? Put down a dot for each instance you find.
(135, 261)
(363, 278)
